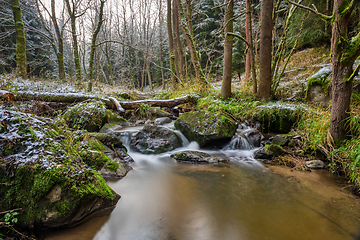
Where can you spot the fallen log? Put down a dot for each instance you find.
(110, 102)
(170, 103)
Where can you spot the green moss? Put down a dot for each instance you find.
(112, 165)
(114, 118)
(351, 49)
(90, 116)
(278, 117)
(96, 144)
(322, 78)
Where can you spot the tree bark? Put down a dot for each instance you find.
(250, 58)
(72, 14)
(110, 102)
(20, 39)
(264, 93)
(248, 33)
(171, 43)
(227, 66)
(60, 50)
(179, 58)
(343, 58)
(93, 40)
(189, 37)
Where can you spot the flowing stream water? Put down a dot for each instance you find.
(241, 200)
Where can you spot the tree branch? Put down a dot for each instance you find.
(238, 36)
(315, 11)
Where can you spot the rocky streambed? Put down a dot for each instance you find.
(54, 169)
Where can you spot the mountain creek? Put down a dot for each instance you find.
(240, 199)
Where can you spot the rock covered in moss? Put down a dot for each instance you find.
(278, 117)
(113, 118)
(88, 115)
(162, 121)
(43, 174)
(319, 87)
(280, 140)
(269, 151)
(197, 157)
(153, 139)
(206, 128)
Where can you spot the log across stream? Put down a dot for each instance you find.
(243, 199)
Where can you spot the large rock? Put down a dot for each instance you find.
(197, 157)
(43, 174)
(206, 128)
(88, 115)
(154, 139)
(319, 87)
(278, 117)
(106, 153)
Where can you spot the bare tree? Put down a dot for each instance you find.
(93, 43)
(73, 11)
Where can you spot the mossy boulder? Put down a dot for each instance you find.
(87, 115)
(197, 157)
(206, 128)
(319, 87)
(153, 139)
(106, 153)
(278, 117)
(269, 151)
(43, 174)
(113, 118)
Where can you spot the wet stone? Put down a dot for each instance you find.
(162, 120)
(315, 164)
(197, 157)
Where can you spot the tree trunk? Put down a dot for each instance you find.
(265, 50)
(20, 39)
(179, 58)
(60, 50)
(72, 12)
(227, 67)
(93, 40)
(189, 37)
(171, 43)
(248, 33)
(342, 69)
(161, 23)
(250, 58)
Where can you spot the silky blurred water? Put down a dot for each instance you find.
(165, 200)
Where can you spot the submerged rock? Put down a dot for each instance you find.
(43, 174)
(197, 157)
(154, 139)
(206, 128)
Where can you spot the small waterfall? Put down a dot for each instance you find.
(239, 142)
(245, 138)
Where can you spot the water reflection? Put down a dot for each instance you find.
(242, 200)
(162, 199)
